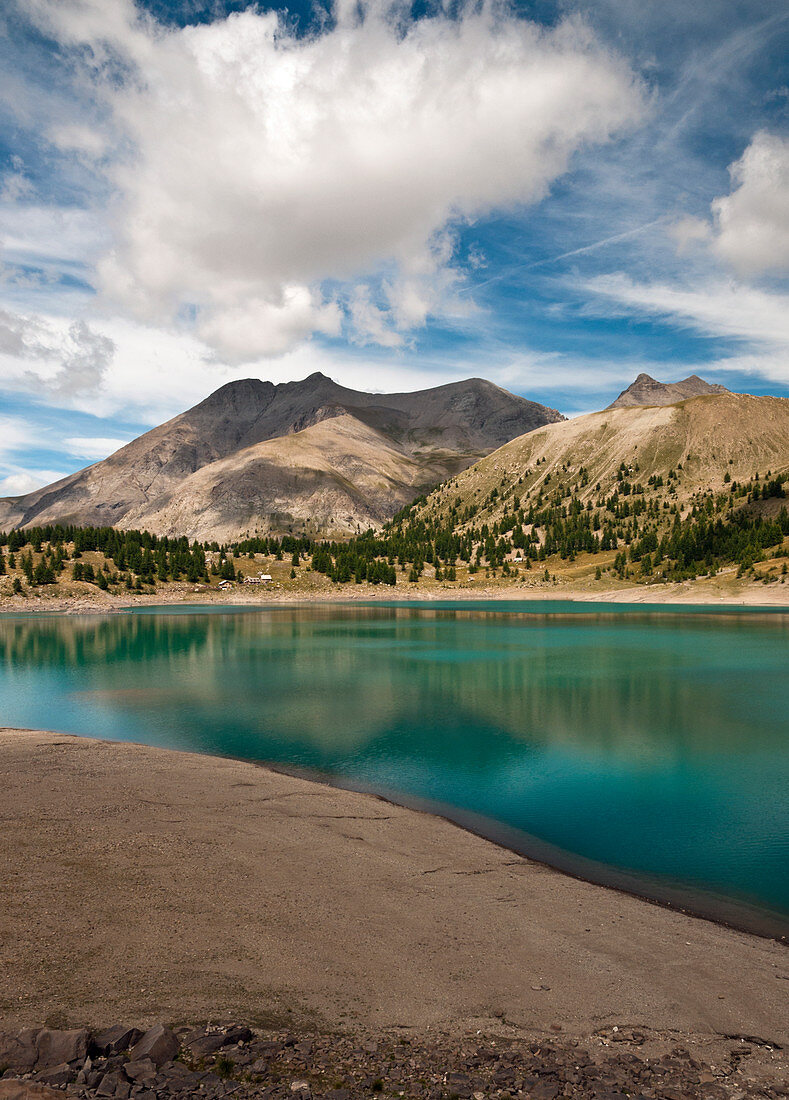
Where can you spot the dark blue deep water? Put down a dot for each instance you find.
(646, 748)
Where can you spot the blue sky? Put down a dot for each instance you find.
(555, 196)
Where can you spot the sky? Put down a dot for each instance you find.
(555, 196)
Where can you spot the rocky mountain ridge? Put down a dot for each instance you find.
(646, 390)
(312, 456)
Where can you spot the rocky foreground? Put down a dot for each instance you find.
(217, 1061)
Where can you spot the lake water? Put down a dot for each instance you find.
(642, 747)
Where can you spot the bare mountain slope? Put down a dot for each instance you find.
(648, 391)
(263, 465)
(700, 441)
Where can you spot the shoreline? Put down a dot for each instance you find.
(134, 856)
(685, 594)
(698, 904)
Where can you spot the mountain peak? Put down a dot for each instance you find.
(648, 391)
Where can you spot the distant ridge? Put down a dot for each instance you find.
(309, 456)
(648, 391)
(620, 463)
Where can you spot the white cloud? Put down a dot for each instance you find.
(78, 138)
(759, 319)
(18, 481)
(49, 237)
(15, 185)
(92, 447)
(717, 309)
(751, 230)
(263, 163)
(54, 356)
(15, 434)
(259, 327)
(689, 231)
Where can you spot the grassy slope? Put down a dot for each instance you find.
(708, 437)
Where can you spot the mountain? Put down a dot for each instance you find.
(648, 391)
(675, 454)
(309, 455)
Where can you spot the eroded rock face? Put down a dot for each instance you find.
(648, 391)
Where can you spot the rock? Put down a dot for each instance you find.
(62, 1074)
(459, 1085)
(14, 1089)
(238, 1034)
(19, 1050)
(142, 1071)
(55, 1047)
(158, 1043)
(108, 1084)
(202, 1042)
(265, 1048)
(115, 1039)
(205, 1044)
(545, 1090)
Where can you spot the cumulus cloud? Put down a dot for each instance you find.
(256, 326)
(15, 481)
(60, 359)
(751, 224)
(747, 229)
(262, 164)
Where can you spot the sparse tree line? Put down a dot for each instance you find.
(652, 539)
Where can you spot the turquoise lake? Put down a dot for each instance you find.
(646, 748)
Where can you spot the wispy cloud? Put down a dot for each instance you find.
(756, 320)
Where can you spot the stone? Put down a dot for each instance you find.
(158, 1043)
(109, 1084)
(55, 1047)
(14, 1089)
(459, 1085)
(238, 1034)
(115, 1039)
(265, 1048)
(18, 1050)
(545, 1090)
(63, 1074)
(205, 1044)
(142, 1071)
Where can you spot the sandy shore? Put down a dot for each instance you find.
(143, 884)
(708, 592)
